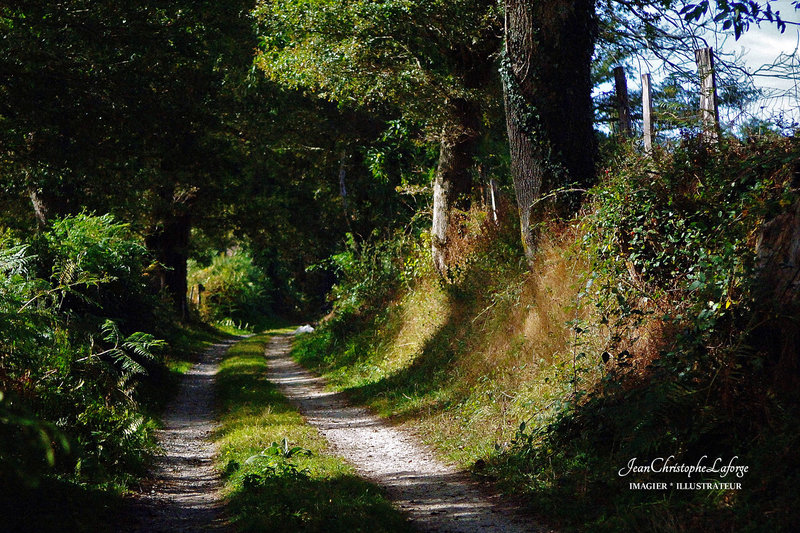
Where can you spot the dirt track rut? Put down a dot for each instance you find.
(436, 497)
(184, 493)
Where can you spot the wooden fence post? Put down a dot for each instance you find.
(493, 193)
(709, 113)
(647, 113)
(342, 174)
(623, 105)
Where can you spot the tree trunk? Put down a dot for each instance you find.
(547, 93)
(39, 208)
(778, 249)
(452, 185)
(170, 243)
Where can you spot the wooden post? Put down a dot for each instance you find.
(623, 105)
(342, 174)
(709, 113)
(492, 192)
(647, 113)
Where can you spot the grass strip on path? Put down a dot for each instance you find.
(296, 485)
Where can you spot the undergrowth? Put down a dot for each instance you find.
(679, 288)
(661, 321)
(231, 291)
(463, 358)
(84, 372)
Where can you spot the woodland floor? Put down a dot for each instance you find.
(184, 493)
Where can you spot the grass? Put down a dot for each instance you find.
(464, 364)
(186, 343)
(655, 324)
(272, 492)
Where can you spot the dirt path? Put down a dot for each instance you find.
(184, 494)
(435, 496)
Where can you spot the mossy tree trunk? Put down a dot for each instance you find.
(547, 92)
(452, 185)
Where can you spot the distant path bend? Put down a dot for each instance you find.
(184, 494)
(436, 497)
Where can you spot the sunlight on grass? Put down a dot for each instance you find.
(268, 491)
(463, 368)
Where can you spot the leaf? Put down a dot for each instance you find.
(111, 332)
(299, 450)
(253, 458)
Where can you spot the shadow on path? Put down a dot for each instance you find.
(435, 496)
(184, 492)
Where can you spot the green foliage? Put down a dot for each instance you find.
(28, 445)
(68, 374)
(367, 272)
(678, 293)
(285, 451)
(233, 288)
(684, 231)
(399, 53)
(97, 264)
(94, 245)
(101, 91)
(398, 153)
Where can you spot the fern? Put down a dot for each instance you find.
(143, 345)
(111, 332)
(14, 261)
(134, 425)
(125, 348)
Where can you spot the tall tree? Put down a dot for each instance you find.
(547, 79)
(547, 92)
(432, 61)
(115, 107)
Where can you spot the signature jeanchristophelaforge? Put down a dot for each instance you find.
(668, 465)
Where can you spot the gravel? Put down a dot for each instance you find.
(183, 494)
(435, 496)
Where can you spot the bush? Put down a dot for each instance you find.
(233, 288)
(368, 271)
(97, 263)
(68, 374)
(677, 289)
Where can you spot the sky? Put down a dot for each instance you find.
(762, 45)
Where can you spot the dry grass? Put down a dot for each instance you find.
(526, 346)
(466, 370)
(422, 313)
